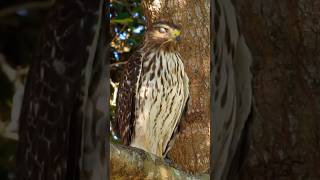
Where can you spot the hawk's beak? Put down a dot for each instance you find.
(176, 35)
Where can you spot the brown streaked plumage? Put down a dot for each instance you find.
(153, 92)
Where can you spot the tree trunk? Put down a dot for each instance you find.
(191, 150)
(62, 133)
(284, 39)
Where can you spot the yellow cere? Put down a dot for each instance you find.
(176, 32)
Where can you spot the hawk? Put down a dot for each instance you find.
(153, 92)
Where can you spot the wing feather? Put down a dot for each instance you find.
(125, 109)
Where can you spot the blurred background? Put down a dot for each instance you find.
(21, 24)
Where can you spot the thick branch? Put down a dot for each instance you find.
(132, 163)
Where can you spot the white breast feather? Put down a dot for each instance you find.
(153, 129)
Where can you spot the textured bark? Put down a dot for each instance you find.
(284, 40)
(62, 132)
(191, 150)
(141, 165)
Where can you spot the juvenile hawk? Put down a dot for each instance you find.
(153, 92)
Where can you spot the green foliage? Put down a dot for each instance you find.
(127, 27)
(123, 21)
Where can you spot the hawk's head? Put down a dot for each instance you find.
(163, 34)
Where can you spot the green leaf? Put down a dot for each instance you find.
(123, 15)
(122, 21)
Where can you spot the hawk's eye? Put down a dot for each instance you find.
(163, 30)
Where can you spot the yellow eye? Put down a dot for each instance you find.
(163, 30)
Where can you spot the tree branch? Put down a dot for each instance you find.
(117, 64)
(128, 163)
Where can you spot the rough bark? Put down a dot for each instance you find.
(141, 165)
(284, 39)
(62, 133)
(191, 150)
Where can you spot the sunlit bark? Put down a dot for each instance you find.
(132, 163)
